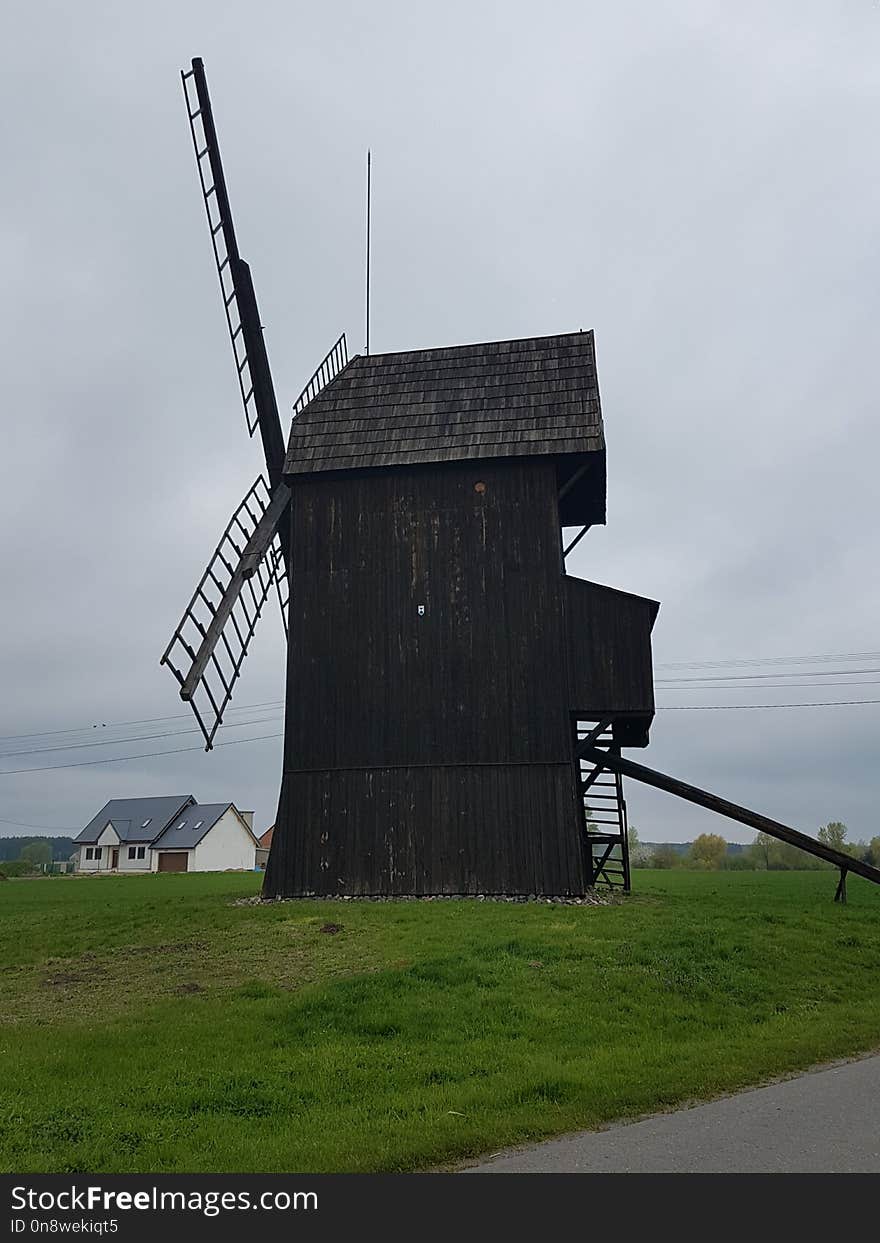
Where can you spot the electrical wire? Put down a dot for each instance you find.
(704, 682)
(116, 759)
(76, 746)
(773, 686)
(768, 660)
(752, 677)
(144, 720)
(47, 828)
(112, 742)
(831, 703)
(262, 737)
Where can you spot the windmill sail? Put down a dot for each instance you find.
(236, 285)
(208, 648)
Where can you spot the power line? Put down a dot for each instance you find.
(116, 759)
(831, 703)
(752, 677)
(264, 720)
(693, 664)
(769, 660)
(47, 828)
(774, 686)
(705, 682)
(112, 742)
(840, 703)
(144, 720)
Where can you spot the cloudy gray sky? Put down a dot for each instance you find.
(694, 180)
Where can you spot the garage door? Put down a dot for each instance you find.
(173, 860)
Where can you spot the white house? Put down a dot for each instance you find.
(169, 834)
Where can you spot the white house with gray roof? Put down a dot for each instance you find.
(167, 834)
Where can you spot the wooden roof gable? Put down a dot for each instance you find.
(535, 396)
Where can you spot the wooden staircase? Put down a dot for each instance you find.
(605, 829)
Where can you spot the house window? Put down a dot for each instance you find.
(93, 852)
(98, 852)
(89, 852)
(142, 850)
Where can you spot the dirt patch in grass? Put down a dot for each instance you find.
(65, 977)
(287, 954)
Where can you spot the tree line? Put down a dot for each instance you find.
(23, 856)
(13, 847)
(711, 852)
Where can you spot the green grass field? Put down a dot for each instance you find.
(149, 1024)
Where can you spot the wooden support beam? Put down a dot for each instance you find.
(606, 856)
(763, 824)
(587, 781)
(840, 895)
(569, 483)
(258, 544)
(577, 539)
(586, 744)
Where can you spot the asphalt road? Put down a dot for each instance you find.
(827, 1121)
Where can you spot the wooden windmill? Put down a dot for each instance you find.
(456, 703)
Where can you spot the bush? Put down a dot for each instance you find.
(708, 850)
(665, 857)
(17, 867)
(741, 861)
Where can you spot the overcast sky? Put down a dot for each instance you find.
(695, 181)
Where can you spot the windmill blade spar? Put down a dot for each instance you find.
(207, 650)
(236, 286)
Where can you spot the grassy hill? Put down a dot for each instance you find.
(151, 1024)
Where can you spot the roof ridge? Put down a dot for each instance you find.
(587, 333)
(475, 344)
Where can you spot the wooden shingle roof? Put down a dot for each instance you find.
(536, 396)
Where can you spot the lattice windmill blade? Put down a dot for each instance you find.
(236, 285)
(282, 590)
(208, 648)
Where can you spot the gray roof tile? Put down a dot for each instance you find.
(134, 819)
(187, 830)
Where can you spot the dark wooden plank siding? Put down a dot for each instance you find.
(432, 753)
(479, 677)
(446, 829)
(609, 649)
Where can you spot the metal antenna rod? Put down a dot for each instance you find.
(367, 351)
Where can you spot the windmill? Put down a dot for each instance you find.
(456, 702)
